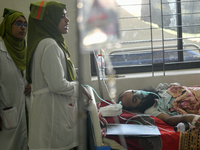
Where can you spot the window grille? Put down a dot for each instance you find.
(156, 35)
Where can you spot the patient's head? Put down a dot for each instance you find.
(137, 100)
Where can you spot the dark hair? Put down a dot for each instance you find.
(145, 104)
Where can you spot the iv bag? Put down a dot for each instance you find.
(97, 23)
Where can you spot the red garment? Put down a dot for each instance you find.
(170, 140)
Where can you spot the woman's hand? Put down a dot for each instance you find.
(27, 90)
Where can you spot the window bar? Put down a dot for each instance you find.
(163, 43)
(179, 31)
(151, 37)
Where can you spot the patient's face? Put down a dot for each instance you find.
(130, 99)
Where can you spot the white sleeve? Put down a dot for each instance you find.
(54, 72)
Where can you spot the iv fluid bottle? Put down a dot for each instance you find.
(182, 126)
(101, 66)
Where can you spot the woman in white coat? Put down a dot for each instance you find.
(51, 73)
(13, 85)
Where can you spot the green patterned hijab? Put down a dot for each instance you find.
(43, 23)
(15, 47)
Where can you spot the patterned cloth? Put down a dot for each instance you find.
(187, 99)
(189, 140)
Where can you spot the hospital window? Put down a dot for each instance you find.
(156, 35)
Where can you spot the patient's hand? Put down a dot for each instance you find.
(197, 124)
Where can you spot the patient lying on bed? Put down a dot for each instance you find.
(171, 103)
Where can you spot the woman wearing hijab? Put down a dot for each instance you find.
(51, 73)
(13, 85)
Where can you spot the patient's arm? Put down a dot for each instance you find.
(174, 120)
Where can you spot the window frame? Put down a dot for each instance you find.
(157, 66)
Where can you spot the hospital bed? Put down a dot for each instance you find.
(100, 142)
(167, 140)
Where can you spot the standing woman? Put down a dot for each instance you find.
(13, 85)
(51, 73)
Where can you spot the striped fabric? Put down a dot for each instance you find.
(38, 10)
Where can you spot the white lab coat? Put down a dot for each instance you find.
(51, 118)
(14, 129)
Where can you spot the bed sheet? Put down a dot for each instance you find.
(168, 140)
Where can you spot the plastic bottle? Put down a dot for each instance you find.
(182, 126)
(101, 66)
